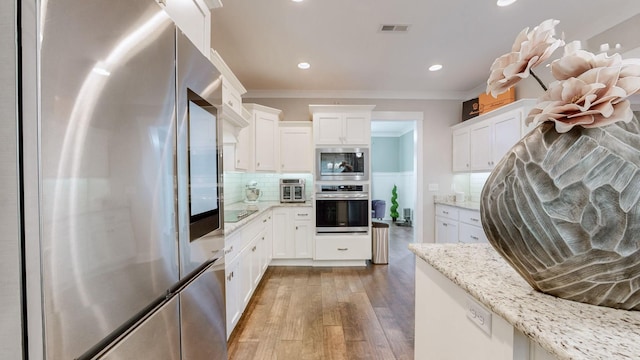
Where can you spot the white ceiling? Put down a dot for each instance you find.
(262, 41)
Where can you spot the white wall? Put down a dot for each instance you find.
(439, 116)
(382, 183)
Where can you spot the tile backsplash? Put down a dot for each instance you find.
(470, 183)
(268, 183)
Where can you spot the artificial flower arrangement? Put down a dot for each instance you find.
(562, 207)
(590, 90)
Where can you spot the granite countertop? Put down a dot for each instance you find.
(567, 329)
(261, 206)
(463, 205)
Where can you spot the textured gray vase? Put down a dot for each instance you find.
(564, 211)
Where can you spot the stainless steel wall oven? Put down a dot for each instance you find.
(342, 208)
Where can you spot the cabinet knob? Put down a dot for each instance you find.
(445, 224)
(296, 228)
(474, 219)
(474, 237)
(253, 248)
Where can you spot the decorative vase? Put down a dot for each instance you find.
(564, 211)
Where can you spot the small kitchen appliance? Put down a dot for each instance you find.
(292, 190)
(252, 193)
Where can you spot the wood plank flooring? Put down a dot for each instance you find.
(333, 313)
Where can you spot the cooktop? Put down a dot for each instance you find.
(232, 216)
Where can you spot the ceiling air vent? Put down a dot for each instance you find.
(397, 28)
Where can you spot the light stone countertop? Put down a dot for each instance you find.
(261, 206)
(567, 329)
(463, 205)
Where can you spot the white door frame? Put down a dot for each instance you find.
(417, 117)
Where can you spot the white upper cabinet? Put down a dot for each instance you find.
(296, 146)
(232, 91)
(193, 18)
(479, 144)
(342, 124)
(461, 146)
(264, 131)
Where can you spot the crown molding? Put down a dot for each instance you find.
(356, 94)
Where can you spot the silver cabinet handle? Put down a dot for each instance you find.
(303, 214)
(445, 224)
(445, 212)
(474, 219)
(474, 237)
(343, 249)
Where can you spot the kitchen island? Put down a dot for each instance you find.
(470, 302)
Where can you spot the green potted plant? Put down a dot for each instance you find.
(393, 211)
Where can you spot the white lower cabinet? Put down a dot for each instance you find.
(232, 294)
(446, 317)
(247, 256)
(446, 230)
(345, 247)
(293, 232)
(454, 224)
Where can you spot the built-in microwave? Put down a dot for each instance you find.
(342, 164)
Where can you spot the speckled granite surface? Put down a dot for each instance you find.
(463, 205)
(567, 329)
(260, 206)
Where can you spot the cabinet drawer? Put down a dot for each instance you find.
(471, 217)
(302, 213)
(232, 244)
(231, 97)
(450, 212)
(471, 234)
(342, 248)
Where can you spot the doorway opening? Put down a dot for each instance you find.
(396, 158)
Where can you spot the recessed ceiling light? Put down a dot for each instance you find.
(505, 2)
(304, 65)
(435, 67)
(296, 0)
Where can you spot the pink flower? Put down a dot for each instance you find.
(592, 91)
(529, 50)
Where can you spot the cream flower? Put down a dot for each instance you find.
(592, 91)
(529, 50)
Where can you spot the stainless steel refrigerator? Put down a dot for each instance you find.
(129, 188)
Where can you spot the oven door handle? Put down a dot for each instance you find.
(342, 196)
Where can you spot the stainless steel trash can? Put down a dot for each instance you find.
(380, 243)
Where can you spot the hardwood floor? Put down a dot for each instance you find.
(333, 313)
